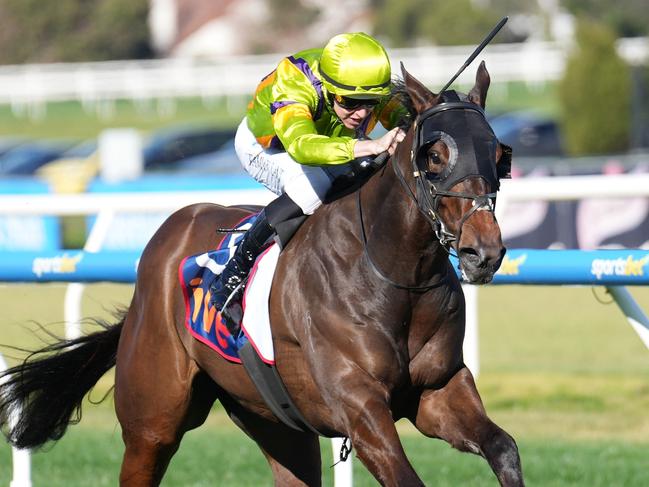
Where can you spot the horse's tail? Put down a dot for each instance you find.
(40, 397)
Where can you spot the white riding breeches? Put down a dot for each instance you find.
(280, 173)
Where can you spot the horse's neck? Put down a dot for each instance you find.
(398, 235)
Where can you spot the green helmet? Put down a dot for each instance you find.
(355, 65)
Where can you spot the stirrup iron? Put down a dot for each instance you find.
(232, 311)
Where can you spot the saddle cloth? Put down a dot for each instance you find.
(197, 272)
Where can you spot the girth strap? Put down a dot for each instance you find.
(272, 390)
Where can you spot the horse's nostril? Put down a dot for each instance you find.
(470, 254)
(494, 259)
(481, 257)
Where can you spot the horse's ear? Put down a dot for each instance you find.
(478, 93)
(422, 98)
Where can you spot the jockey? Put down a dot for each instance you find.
(306, 117)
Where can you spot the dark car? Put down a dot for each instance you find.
(529, 134)
(221, 161)
(165, 149)
(8, 143)
(81, 150)
(26, 158)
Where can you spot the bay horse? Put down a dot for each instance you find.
(367, 313)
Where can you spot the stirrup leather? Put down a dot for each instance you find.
(232, 310)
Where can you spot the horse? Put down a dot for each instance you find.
(367, 313)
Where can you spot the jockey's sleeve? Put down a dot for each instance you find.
(295, 128)
(294, 106)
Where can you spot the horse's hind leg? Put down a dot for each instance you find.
(455, 413)
(293, 456)
(159, 395)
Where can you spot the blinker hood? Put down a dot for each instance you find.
(472, 144)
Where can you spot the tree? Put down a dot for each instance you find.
(462, 22)
(291, 15)
(595, 94)
(629, 18)
(73, 30)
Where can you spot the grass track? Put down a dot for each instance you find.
(564, 374)
(72, 120)
(225, 457)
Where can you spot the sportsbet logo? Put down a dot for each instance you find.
(619, 267)
(511, 267)
(63, 264)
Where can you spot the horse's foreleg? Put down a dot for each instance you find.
(359, 406)
(455, 413)
(370, 426)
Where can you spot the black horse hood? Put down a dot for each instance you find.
(471, 141)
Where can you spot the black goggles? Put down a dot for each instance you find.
(355, 103)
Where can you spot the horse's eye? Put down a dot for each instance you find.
(434, 157)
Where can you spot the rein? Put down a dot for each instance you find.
(378, 271)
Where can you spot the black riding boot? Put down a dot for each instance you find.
(236, 271)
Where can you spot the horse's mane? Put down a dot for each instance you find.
(400, 92)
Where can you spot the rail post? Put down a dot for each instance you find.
(21, 459)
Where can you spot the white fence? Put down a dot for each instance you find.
(89, 83)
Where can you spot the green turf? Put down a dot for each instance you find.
(73, 120)
(210, 457)
(564, 374)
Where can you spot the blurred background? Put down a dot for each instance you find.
(569, 87)
(113, 96)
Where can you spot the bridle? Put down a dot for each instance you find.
(430, 188)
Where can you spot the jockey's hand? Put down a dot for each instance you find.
(387, 143)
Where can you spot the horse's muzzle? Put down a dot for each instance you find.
(478, 265)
